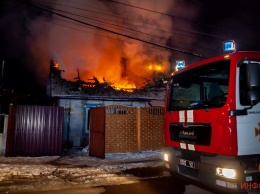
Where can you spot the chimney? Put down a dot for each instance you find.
(123, 67)
(54, 69)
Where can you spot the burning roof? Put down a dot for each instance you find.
(94, 89)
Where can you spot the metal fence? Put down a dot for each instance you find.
(34, 131)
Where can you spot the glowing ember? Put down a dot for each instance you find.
(124, 87)
(55, 65)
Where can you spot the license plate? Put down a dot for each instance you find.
(186, 163)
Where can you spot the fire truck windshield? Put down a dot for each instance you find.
(205, 86)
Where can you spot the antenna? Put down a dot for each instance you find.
(78, 78)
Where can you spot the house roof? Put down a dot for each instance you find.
(61, 88)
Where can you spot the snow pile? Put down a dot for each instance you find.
(83, 158)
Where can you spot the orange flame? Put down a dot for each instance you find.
(55, 65)
(133, 73)
(128, 87)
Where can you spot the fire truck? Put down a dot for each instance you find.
(212, 122)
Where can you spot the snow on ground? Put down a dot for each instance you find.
(75, 167)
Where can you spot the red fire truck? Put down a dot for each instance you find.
(212, 122)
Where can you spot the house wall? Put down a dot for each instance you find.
(75, 130)
(155, 103)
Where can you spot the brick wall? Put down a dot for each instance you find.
(151, 125)
(129, 129)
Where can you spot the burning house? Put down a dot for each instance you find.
(77, 96)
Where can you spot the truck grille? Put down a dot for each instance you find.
(194, 133)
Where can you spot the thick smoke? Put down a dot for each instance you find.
(45, 36)
(35, 36)
(98, 53)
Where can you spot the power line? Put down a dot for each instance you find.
(179, 46)
(117, 39)
(180, 18)
(185, 31)
(113, 32)
(134, 30)
(161, 13)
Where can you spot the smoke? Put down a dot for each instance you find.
(98, 53)
(44, 36)
(35, 36)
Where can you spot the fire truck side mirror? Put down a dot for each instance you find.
(253, 82)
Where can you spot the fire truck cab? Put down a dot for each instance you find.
(212, 122)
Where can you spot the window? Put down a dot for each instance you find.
(243, 88)
(201, 87)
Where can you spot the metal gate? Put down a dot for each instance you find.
(97, 132)
(34, 131)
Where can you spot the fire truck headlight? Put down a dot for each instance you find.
(166, 157)
(226, 172)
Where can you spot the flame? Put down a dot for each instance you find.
(98, 54)
(109, 67)
(124, 86)
(134, 78)
(55, 65)
(155, 67)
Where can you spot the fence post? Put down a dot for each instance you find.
(10, 131)
(138, 127)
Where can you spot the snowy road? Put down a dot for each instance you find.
(79, 173)
(76, 168)
(63, 181)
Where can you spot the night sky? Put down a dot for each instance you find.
(82, 34)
